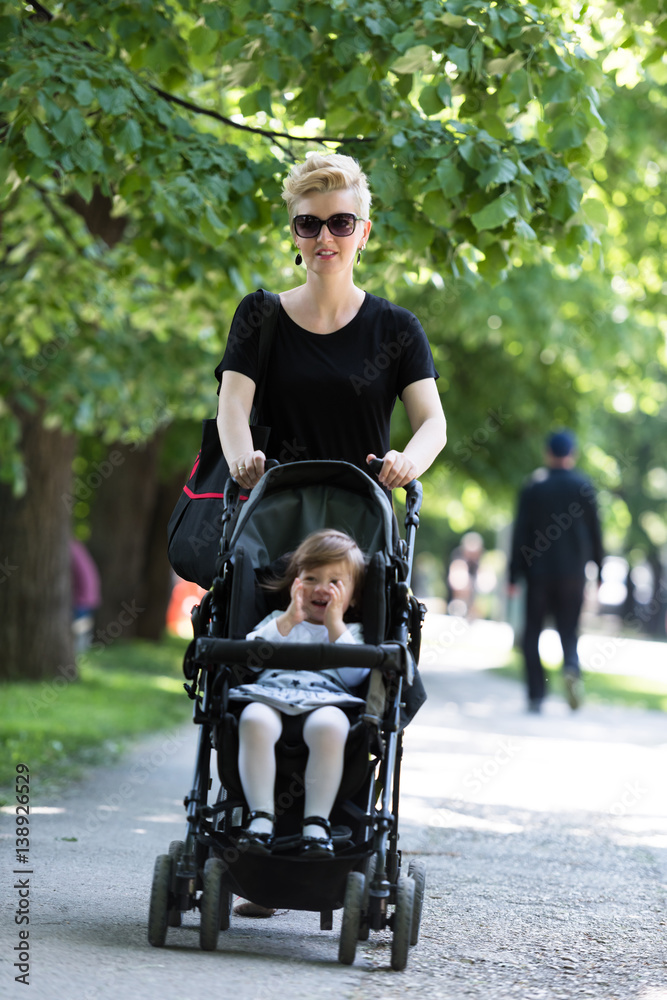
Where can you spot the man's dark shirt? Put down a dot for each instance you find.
(557, 528)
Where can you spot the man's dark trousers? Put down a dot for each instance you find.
(561, 597)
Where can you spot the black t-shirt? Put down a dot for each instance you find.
(331, 396)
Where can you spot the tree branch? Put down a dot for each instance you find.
(172, 99)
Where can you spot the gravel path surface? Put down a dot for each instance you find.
(545, 840)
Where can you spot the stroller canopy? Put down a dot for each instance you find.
(291, 501)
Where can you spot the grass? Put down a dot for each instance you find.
(59, 728)
(614, 689)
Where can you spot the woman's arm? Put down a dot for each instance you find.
(237, 393)
(429, 435)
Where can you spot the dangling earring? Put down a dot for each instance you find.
(298, 259)
(359, 254)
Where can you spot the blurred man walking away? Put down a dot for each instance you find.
(556, 532)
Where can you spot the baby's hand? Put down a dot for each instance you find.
(295, 613)
(333, 616)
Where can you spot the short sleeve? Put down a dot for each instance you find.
(416, 361)
(243, 339)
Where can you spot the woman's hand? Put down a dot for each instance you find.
(295, 613)
(248, 469)
(397, 469)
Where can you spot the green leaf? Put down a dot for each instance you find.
(88, 155)
(569, 132)
(216, 16)
(70, 127)
(502, 67)
(520, 86)
(352, 82)
(203, 40)
(450, 178)
(36, 141)
(417, 58)
(595, 211)
(129, 137)
(498, 172)
(115, 100)
(459, 57)
(496, 213)
(83, 183)
(429, 101)
(437, 208)
(565, 199)
(445, 93)
(562, 87)
(470, 152)
(53, 111)
(214, 219)
(83, 93)
(523, 230)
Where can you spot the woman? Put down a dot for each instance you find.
(341, 356)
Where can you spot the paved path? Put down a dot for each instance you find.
(545, 840)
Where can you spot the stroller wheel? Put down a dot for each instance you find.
(364, 924)
(159, 905)
(349, 932)
(210, 905)
(402, 923)
(417, 871)
(176, 848)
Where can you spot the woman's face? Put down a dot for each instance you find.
(324, 253)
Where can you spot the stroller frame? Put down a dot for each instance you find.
(205, 869)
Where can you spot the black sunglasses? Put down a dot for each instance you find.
(341, 224)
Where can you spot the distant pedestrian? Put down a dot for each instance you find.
(556, 533)
(85, 593)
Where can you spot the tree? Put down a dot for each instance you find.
(139, 185)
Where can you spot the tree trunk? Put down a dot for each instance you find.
(124, 486)
(158, 575)
(35, 576)
(656, 625)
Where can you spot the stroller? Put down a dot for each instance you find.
(365, 876)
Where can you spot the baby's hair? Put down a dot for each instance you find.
(325, 546)
(324, 173)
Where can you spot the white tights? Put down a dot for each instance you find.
(325, 733)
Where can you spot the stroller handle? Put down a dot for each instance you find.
(257, 653)
(413, 489)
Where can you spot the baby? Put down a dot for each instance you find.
(324, 577)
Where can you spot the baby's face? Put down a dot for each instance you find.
(318, 591)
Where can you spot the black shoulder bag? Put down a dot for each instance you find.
(195, 526)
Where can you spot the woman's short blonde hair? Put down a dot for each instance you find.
(323, 173)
